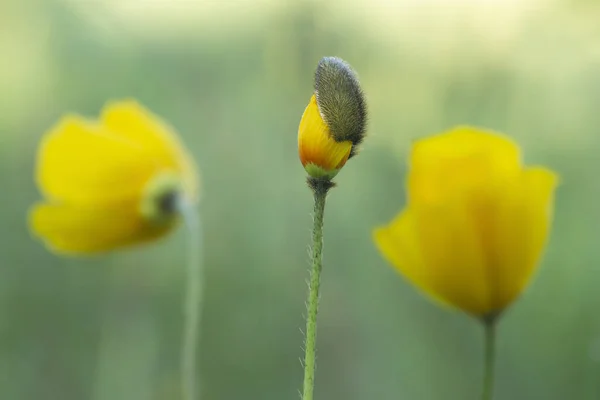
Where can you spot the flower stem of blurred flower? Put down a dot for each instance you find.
(320, 188)
(489, 326)
(193, 302)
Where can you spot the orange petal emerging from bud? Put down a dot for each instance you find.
(320, 154)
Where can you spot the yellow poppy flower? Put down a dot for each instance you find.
(476, 221)
(319, 153)
(111, 182)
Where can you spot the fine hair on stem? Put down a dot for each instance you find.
(320, 187)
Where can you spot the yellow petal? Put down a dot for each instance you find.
(464, 142)
(155, 137)
(434, 250)
(81, 162)
(88, 230)
(522, 227)
(132, 121)
(315, 143)
(455, 161)
(452, 253)
(400, 246)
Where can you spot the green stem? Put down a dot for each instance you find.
(489, 358)
(192, 305)
(320, 188)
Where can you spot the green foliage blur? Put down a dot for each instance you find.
(234, 77)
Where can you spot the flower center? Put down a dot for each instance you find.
(161, 198)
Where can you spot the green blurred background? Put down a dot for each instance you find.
(234, 78)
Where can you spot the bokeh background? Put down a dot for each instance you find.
(234, 78)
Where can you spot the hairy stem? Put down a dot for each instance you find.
(320, 188)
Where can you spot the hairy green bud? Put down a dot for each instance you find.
(341, 101)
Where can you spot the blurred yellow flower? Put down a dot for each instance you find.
(112, 182)
(476, 221)
(319, 153)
